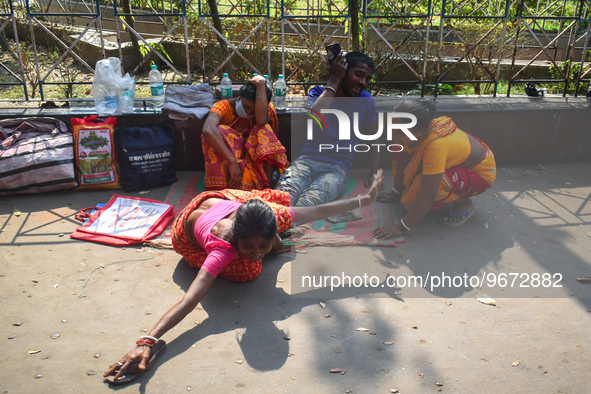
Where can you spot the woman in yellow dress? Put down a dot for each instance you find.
(444, 166)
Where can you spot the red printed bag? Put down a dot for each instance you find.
(125, 221)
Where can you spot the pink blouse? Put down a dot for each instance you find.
(219, 252)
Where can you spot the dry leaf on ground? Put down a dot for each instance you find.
(485, 299)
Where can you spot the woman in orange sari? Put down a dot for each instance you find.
(226, 233)
(240, 144)
(444, 166)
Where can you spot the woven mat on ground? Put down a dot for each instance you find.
(358, 232)
(319, 233)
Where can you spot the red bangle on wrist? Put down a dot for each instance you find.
(143, 342)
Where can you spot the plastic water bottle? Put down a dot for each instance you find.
(110, 94)
(280, 94)
(226, 87)
(157, 88)
(269, 85)
(127, 96)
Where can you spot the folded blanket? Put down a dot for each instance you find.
(182, 102)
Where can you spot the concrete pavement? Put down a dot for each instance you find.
(257, 337)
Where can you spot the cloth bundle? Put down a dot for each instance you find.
(36, 155)
(183, 102)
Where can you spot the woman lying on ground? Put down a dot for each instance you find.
(445, 166)
(227, 232)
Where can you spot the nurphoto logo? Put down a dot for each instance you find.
(392, 122)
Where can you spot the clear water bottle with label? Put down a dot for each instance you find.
(280, 94)
(157, 88)
(226, 87)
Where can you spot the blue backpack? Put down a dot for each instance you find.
(146, 156)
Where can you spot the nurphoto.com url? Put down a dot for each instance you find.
(433, 282)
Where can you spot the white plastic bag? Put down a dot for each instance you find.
(112, 93)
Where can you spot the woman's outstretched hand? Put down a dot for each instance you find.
(139, 354)
(322, 211)
(374, 189)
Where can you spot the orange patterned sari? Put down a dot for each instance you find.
(456, 181)
(240, 269)
(253, 146)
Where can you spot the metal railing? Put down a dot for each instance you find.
(429, 45)
(16, 77)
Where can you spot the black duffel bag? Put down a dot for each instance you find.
(146, 156)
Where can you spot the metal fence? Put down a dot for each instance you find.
(424, 47)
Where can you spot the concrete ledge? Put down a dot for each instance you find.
(526, 130)
(519, 130)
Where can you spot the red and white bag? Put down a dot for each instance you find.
(125, 221)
